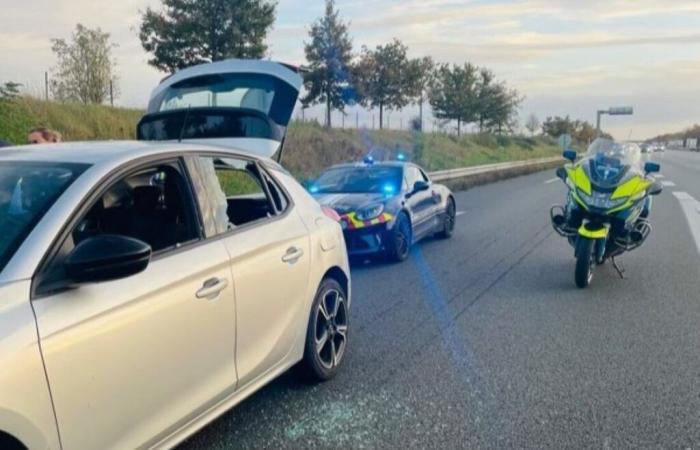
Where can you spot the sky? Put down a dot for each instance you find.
(567, 57)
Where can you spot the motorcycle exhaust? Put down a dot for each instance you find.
(639, 234)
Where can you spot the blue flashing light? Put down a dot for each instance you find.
(369, 159)
(389, 189)
(313, 189)
(401, 157)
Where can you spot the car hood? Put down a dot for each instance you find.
(243, 104)
(345, 203)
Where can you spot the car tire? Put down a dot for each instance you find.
(448, 224)
(399, 242)
(326, 334)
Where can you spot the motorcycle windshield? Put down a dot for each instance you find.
(609, 161)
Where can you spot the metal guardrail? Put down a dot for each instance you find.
(452, 174)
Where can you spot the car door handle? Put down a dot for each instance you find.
(212, 288)
(293, 254)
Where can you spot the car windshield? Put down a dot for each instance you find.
(365, 179)
(27, 191)
(607, 152)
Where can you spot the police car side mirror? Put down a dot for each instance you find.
(420, 186)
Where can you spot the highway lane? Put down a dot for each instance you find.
(483, 341)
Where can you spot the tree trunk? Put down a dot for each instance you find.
(420, 114)
(381, 116)
(328, 112)
(459, 126)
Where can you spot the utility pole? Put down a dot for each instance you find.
(373, 121)
(111, 93)
(46, 86)
(613, 111)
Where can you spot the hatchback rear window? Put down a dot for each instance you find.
(27, 192)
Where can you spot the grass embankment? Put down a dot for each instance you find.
(309, 147)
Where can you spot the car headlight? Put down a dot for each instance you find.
(370, 212)
(601, 200)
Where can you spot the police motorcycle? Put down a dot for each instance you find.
(608, 204)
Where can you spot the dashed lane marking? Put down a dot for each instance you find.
(668, 183)
(460, 213)
(553, 180)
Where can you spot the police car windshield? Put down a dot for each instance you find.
(359, 179)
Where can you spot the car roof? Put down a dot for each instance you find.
(106, 152)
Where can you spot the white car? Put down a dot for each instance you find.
(148, 287)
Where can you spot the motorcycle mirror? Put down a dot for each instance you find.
(651, 167)
(561, 173)
(570, 155)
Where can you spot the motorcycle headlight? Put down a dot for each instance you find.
(370, 212)
(601, 200)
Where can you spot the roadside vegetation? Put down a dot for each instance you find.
(310, 147)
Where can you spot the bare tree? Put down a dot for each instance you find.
(85, 68)
(532, 124)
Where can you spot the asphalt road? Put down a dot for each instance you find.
(483, 341)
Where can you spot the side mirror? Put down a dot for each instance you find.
(421, 186)
(570, 155)
(107, 257)
(655, 189)
(651, 167)
(561, 173)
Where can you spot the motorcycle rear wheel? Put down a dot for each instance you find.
(585, 262)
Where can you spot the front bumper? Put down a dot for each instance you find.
(366, 241)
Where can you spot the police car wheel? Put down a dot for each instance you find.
(399, 244)
(448, 225)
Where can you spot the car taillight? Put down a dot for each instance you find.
(331, 213)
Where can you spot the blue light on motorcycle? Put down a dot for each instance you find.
(401, 157)
(389, 189)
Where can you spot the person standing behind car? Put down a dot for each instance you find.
(43, 135)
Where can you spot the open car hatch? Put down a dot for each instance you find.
(244, 104)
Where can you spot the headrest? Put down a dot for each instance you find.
(146, 198)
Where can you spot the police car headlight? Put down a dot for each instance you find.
(370, 212)
(601, 200)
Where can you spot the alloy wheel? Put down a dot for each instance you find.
(330, 334)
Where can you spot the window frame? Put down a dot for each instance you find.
(264, 172)
(83, 207)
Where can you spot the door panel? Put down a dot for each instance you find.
(270, 264)
(130, 360)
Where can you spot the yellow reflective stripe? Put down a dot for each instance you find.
(631, 187)
(579, 201)
(626, 205)
(375, 221)
(357, 223)
(593, 234)
(580, 179)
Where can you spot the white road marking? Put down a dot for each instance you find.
(658, 175)
(691, 208)
(460, 213)
(553, 180)
(668, 183)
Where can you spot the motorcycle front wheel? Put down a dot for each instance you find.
(585, 261)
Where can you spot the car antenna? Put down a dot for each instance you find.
(184, 123)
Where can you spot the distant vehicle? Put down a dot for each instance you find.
(147, 287)
(386, 207)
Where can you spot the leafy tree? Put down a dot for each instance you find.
(454, 94)
(85, 66)
(532, 124)
(581, 131)
(9, 90)
(190, 32)
(503, 114)
(329, 55)
(421, 73)
(382, 77)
